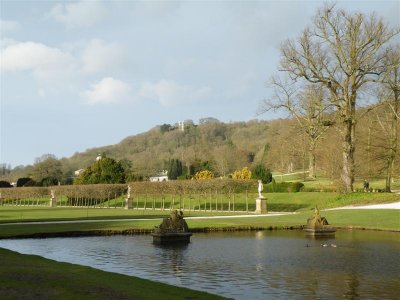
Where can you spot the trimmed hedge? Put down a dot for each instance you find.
(283, 187)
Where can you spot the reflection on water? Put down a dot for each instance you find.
(252, 265)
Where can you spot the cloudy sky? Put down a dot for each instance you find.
(77, 75)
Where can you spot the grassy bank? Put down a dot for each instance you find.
(34, 277)
(366, 219)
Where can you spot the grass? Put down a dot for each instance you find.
(301, 203)
(366, 219)
(34, 277)
(362, 219)
(199, 205)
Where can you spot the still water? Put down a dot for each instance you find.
(245, 265)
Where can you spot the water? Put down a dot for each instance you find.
(245, 265)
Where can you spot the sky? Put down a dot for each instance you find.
(82, 74)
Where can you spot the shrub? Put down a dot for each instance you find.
(203, 175)
(262, 173)
(245, 174)
(5, 184)
(25, 181)
(283, 187)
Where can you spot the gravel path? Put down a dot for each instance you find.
(395, 205)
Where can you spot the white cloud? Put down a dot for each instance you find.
(99, 56)
(45, 62)
(108, 90)
(6, 26)
(170, 93)
(79, 14)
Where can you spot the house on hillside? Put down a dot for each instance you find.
(162, 176)
(78, 172)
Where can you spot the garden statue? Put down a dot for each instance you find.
(53, 201)
(129, 192)
(260, 189)
(128, 200)
(261, 201)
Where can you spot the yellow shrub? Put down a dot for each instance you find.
(203, 175)
(245, 173)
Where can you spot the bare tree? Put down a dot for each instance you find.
(309, 107)
(343, 52)
(391, 99)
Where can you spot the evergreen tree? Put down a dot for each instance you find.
(174, 169)
(262, 173)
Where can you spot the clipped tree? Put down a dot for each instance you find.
(5, 184)
(244, 173)
(262, 173)
(25, 181)
(104, 170)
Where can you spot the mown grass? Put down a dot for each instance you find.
(198, 204)
(34, 277)
(362, 219)
(301, 203)
(366, 219)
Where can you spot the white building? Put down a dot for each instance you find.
(162, 176)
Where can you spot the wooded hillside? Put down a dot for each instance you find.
(279, 144)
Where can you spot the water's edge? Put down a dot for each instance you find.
(139, 231)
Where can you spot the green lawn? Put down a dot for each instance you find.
(302, 203)
(287, 202)
(34, 277)
(367, 219)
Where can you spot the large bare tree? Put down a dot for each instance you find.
(343, 52)
(308, 106)
(391, 98)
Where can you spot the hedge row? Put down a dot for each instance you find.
(103, 192)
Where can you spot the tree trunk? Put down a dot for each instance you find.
(348, 155)
(393, 143)
(311, 159)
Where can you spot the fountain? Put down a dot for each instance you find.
(172, 230)
(319, 226)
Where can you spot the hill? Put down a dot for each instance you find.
(225, 146)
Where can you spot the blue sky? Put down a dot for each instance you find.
(78, 75)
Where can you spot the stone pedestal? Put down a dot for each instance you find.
(128, 203)
(53, 202)
(261, 205)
